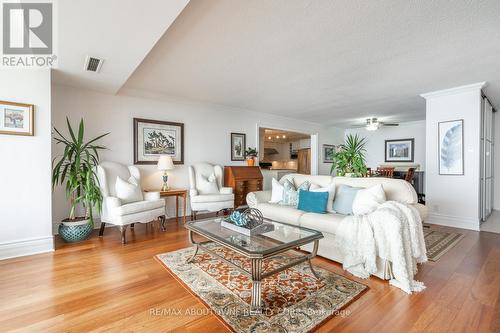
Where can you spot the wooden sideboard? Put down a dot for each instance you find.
(242, 179)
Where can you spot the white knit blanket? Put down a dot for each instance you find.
(393, 232)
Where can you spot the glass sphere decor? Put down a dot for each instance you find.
(249, 218)
(253, 218)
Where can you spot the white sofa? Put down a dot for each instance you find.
(395, 189)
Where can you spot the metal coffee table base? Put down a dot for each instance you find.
(256, 273)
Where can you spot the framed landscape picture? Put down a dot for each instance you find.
(16, 118)
(238, 146)
(399, 150)
(153, 138)
(328, 151)
(451, 147)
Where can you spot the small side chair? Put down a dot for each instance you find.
(115, 212)
(206, 192)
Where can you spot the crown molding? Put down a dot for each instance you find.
(457, 90)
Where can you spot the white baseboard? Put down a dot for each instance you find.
(25, 247)
(453, 221)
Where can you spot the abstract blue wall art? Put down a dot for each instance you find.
(451, 147)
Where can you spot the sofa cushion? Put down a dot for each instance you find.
(298, 179)
(212, 197)
(314, 202)
(344, 198)
(280, 213)
(395, 189)
(331, 194)
(368, 200)
(290, 193)
(322, 222)
(277, 192)
(138, 206)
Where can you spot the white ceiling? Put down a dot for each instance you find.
(331, 62)
(325, 61)
(122, 32)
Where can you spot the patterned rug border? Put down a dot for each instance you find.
(189, 290)
(225, 323)
(457, 238)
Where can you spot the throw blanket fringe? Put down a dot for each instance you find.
(393, 232)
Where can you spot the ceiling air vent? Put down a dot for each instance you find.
(93, 64)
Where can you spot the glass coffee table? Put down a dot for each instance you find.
(256, 248)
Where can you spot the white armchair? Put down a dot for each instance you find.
(147, 207)
(206, 192)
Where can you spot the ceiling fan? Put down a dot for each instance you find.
(372, 124)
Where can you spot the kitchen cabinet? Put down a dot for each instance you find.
(304, 161)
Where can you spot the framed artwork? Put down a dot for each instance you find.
(399, 150)
(328, 151)
(238, 146)
(153, 138)
(451, 147)
(16, 118)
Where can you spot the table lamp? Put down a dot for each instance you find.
(165, 163)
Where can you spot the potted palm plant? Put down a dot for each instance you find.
(76, 168)
(349, 158)
(250, 154)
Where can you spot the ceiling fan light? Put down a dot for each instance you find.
(372, 127)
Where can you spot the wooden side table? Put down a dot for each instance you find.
(176, 192)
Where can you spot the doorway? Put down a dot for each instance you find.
(487, 164)
(489, 202)
(283, 152)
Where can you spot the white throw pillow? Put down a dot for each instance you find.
(277, 192)
(128, 191)
(208, 185)
(368, 200)
(331, 194)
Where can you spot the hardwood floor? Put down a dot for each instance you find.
(100, 285)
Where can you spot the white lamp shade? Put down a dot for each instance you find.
(165, 163)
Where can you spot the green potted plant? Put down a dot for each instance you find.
(76, 168)
(349, 158)
(250, 154)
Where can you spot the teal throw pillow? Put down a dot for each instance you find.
(342, 204)
(313, 202)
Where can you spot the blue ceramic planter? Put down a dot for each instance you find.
(75, 232)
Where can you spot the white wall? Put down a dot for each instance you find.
(454, 200)
(375, 146)
(25, 189)
(207, 131)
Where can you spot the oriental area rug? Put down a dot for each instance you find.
(293, 300)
